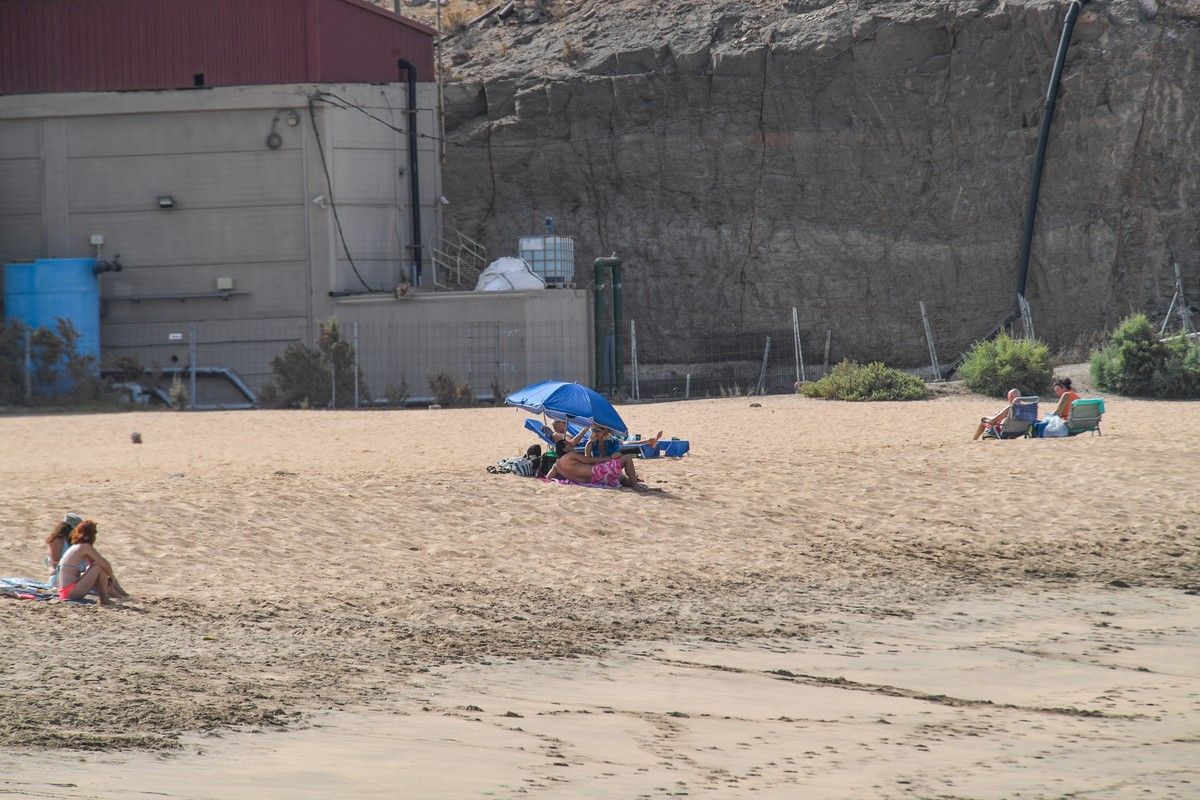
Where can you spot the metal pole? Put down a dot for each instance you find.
(1185, 317)
(28, 365)
(687, 387)
(356, 363)
(1039, 157)
(828, 341)
(1026, 316)
(633, 359)
(800, 376)
(762, 373)
(933, 359)
(192, 365)
(1170, 310)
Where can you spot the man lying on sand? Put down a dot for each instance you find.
(607, 471)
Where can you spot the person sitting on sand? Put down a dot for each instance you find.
(994, 423)
(610, 471)
(58, 541)
(82, 568)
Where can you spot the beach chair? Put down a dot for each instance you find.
(671, 448)
(1085, 415)
(1019, 422)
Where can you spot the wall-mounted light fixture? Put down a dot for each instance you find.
(166, 201)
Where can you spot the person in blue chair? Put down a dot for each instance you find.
(604, 444)
(994, 423)
(558, 432)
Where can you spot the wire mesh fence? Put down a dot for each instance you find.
(363, 364)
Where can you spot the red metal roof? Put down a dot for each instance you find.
(122, 45)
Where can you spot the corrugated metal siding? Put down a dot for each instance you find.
(118, 45)
(353, 41)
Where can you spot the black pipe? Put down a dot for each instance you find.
(1039, 157)
(414, 174)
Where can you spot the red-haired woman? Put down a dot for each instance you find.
(82, 568)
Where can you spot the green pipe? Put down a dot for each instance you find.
(598, 269)
(616, 303)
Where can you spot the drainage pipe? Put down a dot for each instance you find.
(605, 375)
(1039, 157)
(414, 173)
(617, 319)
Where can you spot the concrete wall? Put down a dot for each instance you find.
(73, 165)
(480, 339)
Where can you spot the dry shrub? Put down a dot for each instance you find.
(572, 51)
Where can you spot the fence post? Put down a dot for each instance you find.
(933, 359)
(633, 360)
(762, 373)
(687, 387)
(1170, 310)
(1185, 318)
(828, 341)
(356, 363)
(28, 365)
(799, 353)
(1026, 316)
(192, 365)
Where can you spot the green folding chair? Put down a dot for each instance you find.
(1085, 416)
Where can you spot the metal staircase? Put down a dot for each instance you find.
(457, 261)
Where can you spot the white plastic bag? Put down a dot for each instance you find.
(1055, 427)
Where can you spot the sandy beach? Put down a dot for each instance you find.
(333, 574)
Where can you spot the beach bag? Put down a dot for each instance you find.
(520, 465)
(1055, 427)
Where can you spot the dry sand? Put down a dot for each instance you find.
(292, 562)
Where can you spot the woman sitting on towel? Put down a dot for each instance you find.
(601, 471)
(82, 568)
(58, 541)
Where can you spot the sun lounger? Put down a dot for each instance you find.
(671, 448)
(1085, 415)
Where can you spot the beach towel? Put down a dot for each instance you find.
(26, 589)
(565, 482)
(29, 589)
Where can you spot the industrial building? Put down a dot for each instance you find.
(259, 166)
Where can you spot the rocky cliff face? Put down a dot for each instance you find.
(745, 157)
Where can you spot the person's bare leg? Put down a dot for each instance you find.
(630, 470)
(979, 431)
(85, 584)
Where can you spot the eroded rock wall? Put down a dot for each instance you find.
(744, 158)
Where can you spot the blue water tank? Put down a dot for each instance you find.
(41, 292)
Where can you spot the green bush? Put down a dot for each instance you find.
(303, 376)
(851, 381)
(1135, 362)
(994, 366)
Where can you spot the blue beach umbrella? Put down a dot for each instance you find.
(570, 402)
